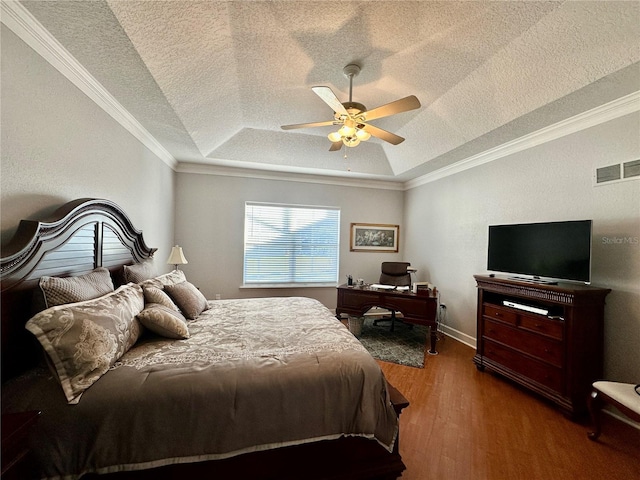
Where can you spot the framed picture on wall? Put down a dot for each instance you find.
(372, 237)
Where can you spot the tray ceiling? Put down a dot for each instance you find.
(213, 81)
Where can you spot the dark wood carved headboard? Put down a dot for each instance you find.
(78, 237)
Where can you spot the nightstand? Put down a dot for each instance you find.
(15, 444)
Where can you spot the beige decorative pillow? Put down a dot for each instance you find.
(164, 321)
(83, 340)
(188, 298)
(61, 290)
(171, 278)
(156, 295)
(139, 272)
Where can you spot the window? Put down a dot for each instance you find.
(290, 244)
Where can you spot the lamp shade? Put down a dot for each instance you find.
(176, 257)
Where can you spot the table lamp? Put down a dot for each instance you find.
(176, 257)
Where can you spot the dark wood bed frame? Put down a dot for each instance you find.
(88, 233)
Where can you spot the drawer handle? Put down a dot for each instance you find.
(498, 314)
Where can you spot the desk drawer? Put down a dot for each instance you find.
(355, 299)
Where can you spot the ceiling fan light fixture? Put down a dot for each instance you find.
(353, 117)
(351, 141)
(348, 129)
(362, 135)
(334, 137)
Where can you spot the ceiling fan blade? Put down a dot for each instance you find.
(308, 125)
(403, 105)
(382, 134)
(335, 146)
(327, 95)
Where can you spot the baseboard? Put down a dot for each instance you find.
(622, 418)
(458, 335)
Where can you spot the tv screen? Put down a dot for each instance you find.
(558, 250)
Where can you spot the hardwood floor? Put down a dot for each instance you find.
(465, 424)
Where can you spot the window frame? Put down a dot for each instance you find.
(290, 282)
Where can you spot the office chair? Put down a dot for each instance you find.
(394, 273)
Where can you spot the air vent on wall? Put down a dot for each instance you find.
(631, 169)
(618, 172)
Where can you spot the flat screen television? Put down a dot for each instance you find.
(555, 250)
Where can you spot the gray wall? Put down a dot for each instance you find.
(449, 219)
(210, 228)
(57, 145)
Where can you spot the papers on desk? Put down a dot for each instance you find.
(389, 287)
(381, 287)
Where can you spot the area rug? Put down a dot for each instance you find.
(404, 346)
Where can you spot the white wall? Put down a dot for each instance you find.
(57, 146)
(210, 228)
(448, 224)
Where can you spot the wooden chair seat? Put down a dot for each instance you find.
(622, 396)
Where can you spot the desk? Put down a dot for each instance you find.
(417, 309)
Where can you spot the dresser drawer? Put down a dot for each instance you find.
(544, 326)
(502, 314)
(545, 349)
(542, 373)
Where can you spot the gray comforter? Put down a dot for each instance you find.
(255, 374)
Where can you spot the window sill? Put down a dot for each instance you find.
(288, 285)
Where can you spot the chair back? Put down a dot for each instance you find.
(395, 273)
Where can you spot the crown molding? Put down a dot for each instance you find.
(596, 116)
(20, 21)
(286, 176)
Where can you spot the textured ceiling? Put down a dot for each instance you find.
(213, 81)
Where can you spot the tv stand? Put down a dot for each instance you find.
(557, 355)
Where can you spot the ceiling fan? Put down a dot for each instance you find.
(354, 117)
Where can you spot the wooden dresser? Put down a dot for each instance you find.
(557, 354)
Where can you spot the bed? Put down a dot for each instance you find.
(132, 386)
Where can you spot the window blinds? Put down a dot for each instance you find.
(290, 244)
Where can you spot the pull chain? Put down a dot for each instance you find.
(345, 157)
